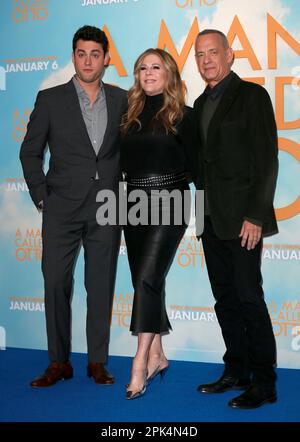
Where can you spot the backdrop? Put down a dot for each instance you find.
(35, 54)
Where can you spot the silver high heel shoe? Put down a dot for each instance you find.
(158, 370)
(131, 395)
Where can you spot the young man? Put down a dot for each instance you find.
(238, 149)
(80, 122)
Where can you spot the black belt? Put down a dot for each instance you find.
(154, 180)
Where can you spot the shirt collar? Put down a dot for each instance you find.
(214, 92)
(79, 89)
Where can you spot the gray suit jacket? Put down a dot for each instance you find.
(57, 120)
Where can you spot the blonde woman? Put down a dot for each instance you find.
(154, 158)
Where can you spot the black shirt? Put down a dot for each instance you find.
(213, 98)
(150, 149)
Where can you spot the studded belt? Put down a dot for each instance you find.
(154, 180)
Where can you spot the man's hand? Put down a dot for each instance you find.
(250, 234)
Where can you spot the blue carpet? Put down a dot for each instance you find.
(173, 400)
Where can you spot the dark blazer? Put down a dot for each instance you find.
(185, 135)
(239, 161)
(57, 120)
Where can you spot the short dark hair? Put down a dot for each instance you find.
(93, 34)
(215, 31)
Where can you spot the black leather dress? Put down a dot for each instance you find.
(152, 161)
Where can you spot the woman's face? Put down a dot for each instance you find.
(152, 75)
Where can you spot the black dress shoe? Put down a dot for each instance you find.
(254, 397)
(225, 383)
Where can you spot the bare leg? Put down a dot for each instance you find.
(156, 359)
(139, 365)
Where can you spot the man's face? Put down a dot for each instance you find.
(213, 59)
(89, 60)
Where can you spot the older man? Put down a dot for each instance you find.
(237, 136)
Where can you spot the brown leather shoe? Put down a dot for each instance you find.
(99, 373)
(55, 372)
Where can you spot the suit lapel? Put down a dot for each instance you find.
(110, 108)
(75, 111)
(199, 110)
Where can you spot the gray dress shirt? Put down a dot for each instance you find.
(95, 117)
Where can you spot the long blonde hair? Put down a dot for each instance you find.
(174, 95)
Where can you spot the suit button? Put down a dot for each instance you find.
(97, 159)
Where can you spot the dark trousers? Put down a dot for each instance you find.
(63, 236)
(236, 281)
